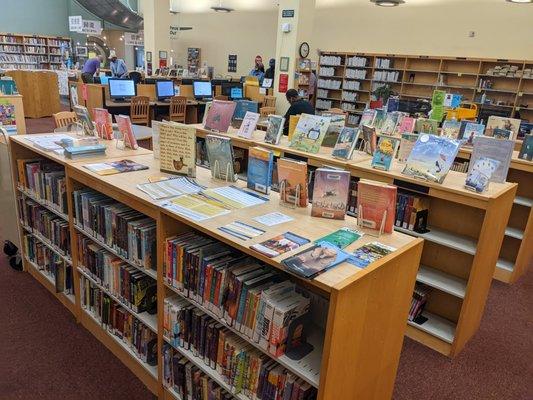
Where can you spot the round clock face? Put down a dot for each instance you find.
(304, 50)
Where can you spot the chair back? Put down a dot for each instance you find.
(136, 76)
(266, 111)
(65, 118)
(140, 110)
(269, 101)
(221, 97)
(178, 108)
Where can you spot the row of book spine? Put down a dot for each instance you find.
(133, 287)
(50, 263)
(242, 366)
(418, 301)
(128, 232)
(187, 380)
(23, 58)
(116, 320)
(412, 212)
(253, 299)
(460, 166)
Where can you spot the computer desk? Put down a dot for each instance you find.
(191, 116)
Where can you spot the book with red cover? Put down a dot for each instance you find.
(126, 130)
(330, 193)
(373, 199)
(104, 126)
(219, 115)
(294, 173)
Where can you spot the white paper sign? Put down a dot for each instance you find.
(91, 27)
(75, 23)
(134, 39)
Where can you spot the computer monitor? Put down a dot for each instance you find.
(164, 89)
(104, 79)
(121, 88)
(229, 89)
(202, 89)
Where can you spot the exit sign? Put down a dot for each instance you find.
(287, 14)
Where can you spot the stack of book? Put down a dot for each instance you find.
(418, 302)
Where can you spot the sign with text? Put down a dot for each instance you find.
(283, 83)
(287, 13)
(134, 39)
(75, 23)
(91, 27)
(173, 32)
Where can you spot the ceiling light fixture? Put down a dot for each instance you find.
(221, 8)
(520, 1)
(387, 3)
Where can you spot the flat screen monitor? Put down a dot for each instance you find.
(228, 89)
(104, 79)
(202, 89)
(164, 89)
(121, 88)
(236, 93)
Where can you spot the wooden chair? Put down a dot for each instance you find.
(221, 97)
(266, 111)
(269, 101)
(140, 110)
(178, 109)
(64, 118)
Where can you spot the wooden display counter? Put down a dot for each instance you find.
(17, 101)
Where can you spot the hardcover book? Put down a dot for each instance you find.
(292, 177)
(385, 151)
(115, 167)
(274, 129)
(407, 143)
(499, 133)
(425, 125)
(309, 133)
(479, 176)
(389, 125)
(315, 260)
(341, 238)
(249, 123)
(497, 149)
(377, 204)
(346, 142)
(336, 123)
(260, 164)
(451, 128)
(526, 151)
(220, 155)
(431, 158)
(104, 124)
(405, 125)
(126, 131)
(368, 117)
(293, 121)
(177, 148)
(370, 138)
(470, 131)
(219, 115)
(368, 253)
(379, 119)
(244, 106)
(280, 244)
(510, 124)
(85, 119)
(330, 193)
(206, 112)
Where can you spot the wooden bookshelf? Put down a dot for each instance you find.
(419, 75)
(304, 76)
(359, 330)
(19, 51)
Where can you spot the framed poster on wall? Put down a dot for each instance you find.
(232, 63)
(193, 59)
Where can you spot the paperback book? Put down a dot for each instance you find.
(206, 112)
(330, 193)
(526, 150)
(479, 176)
(274, 129)
(292, 176)
(85, 119)
(500, 150)
(368, 117)
(315, 260)
(280, 244)
(368, 253)
(293, 121)
(510, 124)
(241, 230)
(499, 133)
(103, 122)
(407, 143)
(341, 238)
(219, 115)
(385, 151)
(370, 138)
(220, 155)
(336, 124)
(425, 125)
(346, 142)
(389, 125)
(470, 131)
(115, 167)
(177, 148)
(405, 125)
(126, 131)
(260, 164)
(249, 123)
(379, 119)
(309, 133)
(376, 205)
(451, 129)
(431, 158)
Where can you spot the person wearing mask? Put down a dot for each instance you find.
(297, 106)
(90, 68)
(118, 67)
(271, 71)
(259, 69)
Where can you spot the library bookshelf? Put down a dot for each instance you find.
(19, 51)
(460, 251)
(516, 254)
(416, 76)
(359, 315)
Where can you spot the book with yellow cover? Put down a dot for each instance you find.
(177, 152)
(309, 133)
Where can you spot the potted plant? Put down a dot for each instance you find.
(382, 94)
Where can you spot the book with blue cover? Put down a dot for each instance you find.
(220, 155)
(346, 143)
(479, 176)
(242, 106)
(431, 158)
(470, 131)
(368, 117)
(315, 260)
(381, 114)
(451, 128)
(274, 129)
(260, 165)
(385, 151)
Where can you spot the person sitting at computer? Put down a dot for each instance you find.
(90, 68)
(271, 71)
(298, 106)
(259, 69)
(118, 66)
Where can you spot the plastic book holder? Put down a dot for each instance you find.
(360, 224)
(284, 196)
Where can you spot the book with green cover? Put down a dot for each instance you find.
(309, 133)
(425, 125)
(342, 237)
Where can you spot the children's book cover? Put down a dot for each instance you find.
(389, 125)
(370, 138)
(342, 237)
(244, 106)
(471, 130)
(336, 123)
(407, 143)
(510, 124)
(126, 130)
(293, 121)
(309, 133)
(368, 117)
(431, 158)
(260, 163)
(478, 177)
(274, 129)
(206, 112)
(405, 125)
(315, 260)
(377, 203)
(219, 115)
(104, 125)
(177, 148)
(526, 151)
(330, 193)
(280, 244)
(426, 125)
(385, 152)
(346, 143)
(249, 123)
(368, 253)
(497, 149)
(451, 129)
(499, 133)
(220, 156)
(381, 114)
(292, 176)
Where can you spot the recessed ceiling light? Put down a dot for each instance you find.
(520, 1)
(387, 3)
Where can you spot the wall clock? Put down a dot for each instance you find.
(304, 50)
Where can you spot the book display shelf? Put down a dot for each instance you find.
(304, 74)
(358, 315)
(460, 253)
(32, 51)
(516, 254)
(497, 86)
